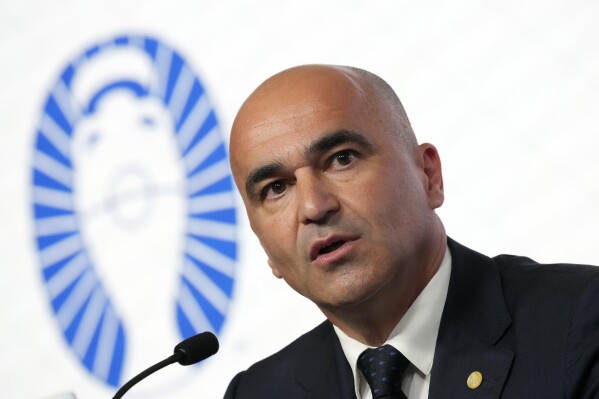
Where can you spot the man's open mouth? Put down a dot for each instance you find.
(331, 247)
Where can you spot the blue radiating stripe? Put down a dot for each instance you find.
(223, 281)
(43, 180)
(118, 357)
(208, 177)
(196, 93)
(227, 248)
(207, 126)
(174, 71)
(212, 314)
(46, 241)
(72, 328)
(215, 156)
(185, 327)
(42, 211)
(50, 271)
(225, 216)
(223, 185)
(151, 47)
(116, 351)
(67, 75)
(44, 145)
(92, 348)
(55, 112)
(61, 298)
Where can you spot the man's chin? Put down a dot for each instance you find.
(345, 302)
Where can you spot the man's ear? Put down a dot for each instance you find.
(431, 166)
(274, 269)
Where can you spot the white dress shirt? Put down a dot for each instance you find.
(415, 336)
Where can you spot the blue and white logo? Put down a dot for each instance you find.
(133, 204)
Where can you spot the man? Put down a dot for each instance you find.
(343, 199)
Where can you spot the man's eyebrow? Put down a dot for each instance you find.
(259, 174)
(334, 139)
(318, 146)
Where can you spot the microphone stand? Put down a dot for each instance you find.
(169, 360)
(188, 351)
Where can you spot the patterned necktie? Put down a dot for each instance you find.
(383, 369)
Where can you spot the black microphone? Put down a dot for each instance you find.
(189, 351)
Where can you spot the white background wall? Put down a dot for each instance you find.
(508, 91)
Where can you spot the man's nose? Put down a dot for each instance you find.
(317, 200)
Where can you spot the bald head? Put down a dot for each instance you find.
(310, 85)
(387, 96)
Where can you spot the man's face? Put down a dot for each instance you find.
(338, 203)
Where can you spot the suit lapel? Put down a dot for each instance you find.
(474, 318)
(324, 372)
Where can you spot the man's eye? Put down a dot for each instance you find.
(344, 158)
(274, 189)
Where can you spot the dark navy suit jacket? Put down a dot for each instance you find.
(531, 330)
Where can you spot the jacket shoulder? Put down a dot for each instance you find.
(555, 319)
(522, 265)
(523, 275)
(276, 375)
(292, 354)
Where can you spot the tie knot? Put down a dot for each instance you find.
(383, 368)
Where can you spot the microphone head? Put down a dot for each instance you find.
(196, 348)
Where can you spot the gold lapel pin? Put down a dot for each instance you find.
(474, 380)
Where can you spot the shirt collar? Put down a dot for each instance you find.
(415, 336)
